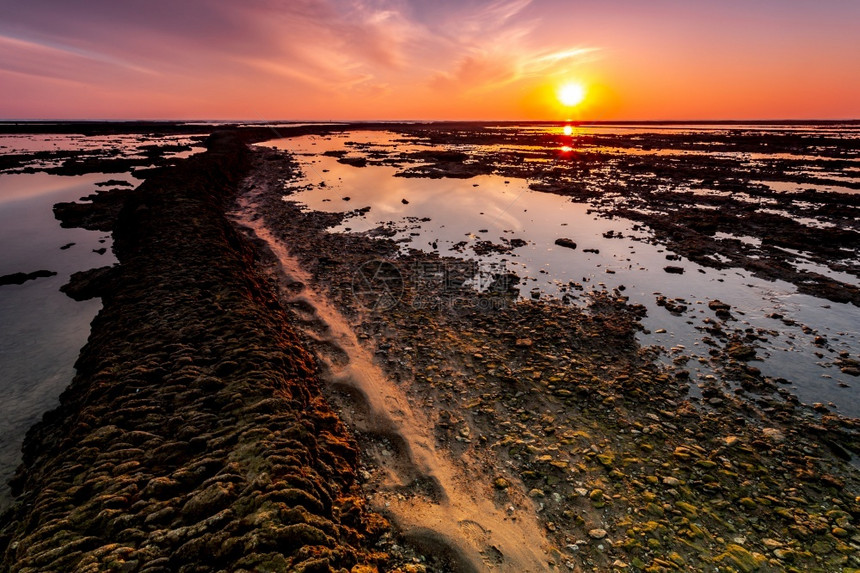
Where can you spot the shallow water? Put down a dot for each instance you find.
(114, 146)
(43, 330)
(496, 209)
(792, 187)
(689, 128)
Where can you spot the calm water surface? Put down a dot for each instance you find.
(493, 208)
(41, 329)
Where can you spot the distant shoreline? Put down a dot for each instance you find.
(103, 127)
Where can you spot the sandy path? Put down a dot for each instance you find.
(438, 506)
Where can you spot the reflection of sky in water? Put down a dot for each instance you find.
(75, 142)
(42, 329)
(641, 145)
(498, 209)
(795, 187)
(16, 187)
(846, 131)
(126, 146)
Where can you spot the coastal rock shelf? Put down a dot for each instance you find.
(283, 378)
(556, 408)
(194, 436)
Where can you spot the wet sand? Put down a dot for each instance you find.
(437, 504)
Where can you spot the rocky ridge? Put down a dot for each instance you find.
(194, 436)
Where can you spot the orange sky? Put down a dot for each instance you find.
(411, 59)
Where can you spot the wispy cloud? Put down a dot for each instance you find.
(497, 45)
(487, 19)
(59, 62)
(368, 48)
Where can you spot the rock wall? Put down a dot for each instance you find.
(194, 436)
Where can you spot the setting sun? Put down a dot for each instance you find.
(571, 94)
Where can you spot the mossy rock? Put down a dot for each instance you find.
(738, 557)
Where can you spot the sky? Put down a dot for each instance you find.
(429, 59)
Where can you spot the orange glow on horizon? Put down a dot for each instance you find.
(503, 60)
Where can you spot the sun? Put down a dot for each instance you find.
(571, 95)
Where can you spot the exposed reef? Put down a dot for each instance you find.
(21, 278)
(198, 434)
(194, 436)
(553, 407)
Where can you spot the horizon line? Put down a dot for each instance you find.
(394, 121)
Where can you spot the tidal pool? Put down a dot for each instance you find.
(455, 216)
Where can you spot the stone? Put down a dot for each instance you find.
(741, 558)
(597, 533)
(209, 501)
(21, 278)
(784, 554)
(92, 283)
(741, 352)
(748, 502)
(773, 435)
(565, 242)
(687, 508)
